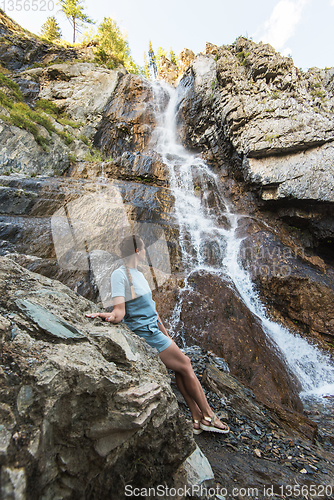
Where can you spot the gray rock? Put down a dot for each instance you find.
(91, 410)
(199, 471)
(13, 483)
(49, 323)
(307, 175)
(30, 158)
(5, 438)
(81, 89)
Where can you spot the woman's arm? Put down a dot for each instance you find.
(117, 313)
(162, 327)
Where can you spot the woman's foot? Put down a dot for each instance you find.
(197, 423)
(196, 427)
(213, 424)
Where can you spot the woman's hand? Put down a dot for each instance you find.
(161, 327)
(106, 316)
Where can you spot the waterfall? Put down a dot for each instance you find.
(209, 242)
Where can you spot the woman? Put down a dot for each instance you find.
(133, 304)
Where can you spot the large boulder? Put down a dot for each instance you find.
(82, 90)
(86, 407)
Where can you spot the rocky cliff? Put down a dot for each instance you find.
(269, 127)
(278, 120)
(267, 130)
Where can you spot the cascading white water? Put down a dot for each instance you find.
(202, 235)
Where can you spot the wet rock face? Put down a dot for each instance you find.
(297, 286)
(215, 318)
(79, 400)
(129, 119)
(255, 99)
(198, 118)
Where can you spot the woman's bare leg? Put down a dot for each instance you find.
(175, 360)
(196, 413)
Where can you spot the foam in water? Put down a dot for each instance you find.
(201, 235)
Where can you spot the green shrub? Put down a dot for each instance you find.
(5, 118)
(20, 120)
(48, 107)
(84, 139)
(270, 138)
(71, 123)
(22, 116)
(5, 101)
(72, 158)
(24, 109)
(318, 94)
(242, 56)
(95, 155)
(68, 139)
(13, 86)
(275, 94)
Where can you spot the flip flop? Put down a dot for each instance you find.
(211, 427)
(197, 431)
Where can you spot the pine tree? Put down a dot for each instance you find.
(113, 48)
(152, 59)
(160, 52)
(172, 57)
(50, 29)
(73, 10)
(146, 67)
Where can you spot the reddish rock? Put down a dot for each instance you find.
(129, 119)
(296, 286)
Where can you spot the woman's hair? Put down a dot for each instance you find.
(130, 244)
(128, 247)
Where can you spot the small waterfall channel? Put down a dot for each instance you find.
(209, 242)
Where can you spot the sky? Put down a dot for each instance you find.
(302, 29)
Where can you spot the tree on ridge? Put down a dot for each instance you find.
(152, 62)
(74, 12)
(113, 48)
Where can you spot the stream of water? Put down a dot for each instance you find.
(208, 240)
